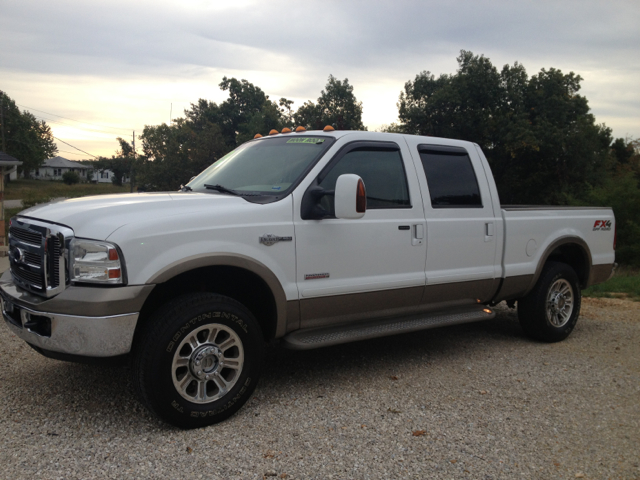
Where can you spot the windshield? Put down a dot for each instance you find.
(263, 167)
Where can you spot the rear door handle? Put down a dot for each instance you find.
(488, 231)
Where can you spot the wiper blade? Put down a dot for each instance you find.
(186, 188)
(220, 188)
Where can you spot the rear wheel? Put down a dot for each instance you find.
(198, 359)
(550, 311)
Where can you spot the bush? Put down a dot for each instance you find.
(70, 178)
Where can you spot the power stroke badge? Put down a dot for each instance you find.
(268, 239)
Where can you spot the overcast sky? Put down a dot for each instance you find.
(117, 66)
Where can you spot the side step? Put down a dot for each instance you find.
(324, 336)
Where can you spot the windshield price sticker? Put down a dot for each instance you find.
(312, 141)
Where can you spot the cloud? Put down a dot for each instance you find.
(181, 50)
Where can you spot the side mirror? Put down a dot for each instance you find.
(350, 197)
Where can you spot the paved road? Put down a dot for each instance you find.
(475, 401)
(12, 203)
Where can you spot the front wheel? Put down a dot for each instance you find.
(550, 311)
(198, 359)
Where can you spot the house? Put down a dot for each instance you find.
(9, 166)
(106, 176)
(54, 168)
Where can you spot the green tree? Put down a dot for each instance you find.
(173, 154)
(337, 106)
(119, 164)
(539, 136)
(246, 112)
(26, 138)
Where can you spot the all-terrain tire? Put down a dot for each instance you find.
(550, 311)
(197, 360)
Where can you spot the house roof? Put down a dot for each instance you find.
(8, 161)
(61, 162)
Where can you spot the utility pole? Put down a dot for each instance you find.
(133, 144)
(4, 147)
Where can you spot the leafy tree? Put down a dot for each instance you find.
(337, 106)
(541, 141)
(26, 138)
(246, 112)
(173, 154)
(119, 164)
(70, 178)
(621, 191)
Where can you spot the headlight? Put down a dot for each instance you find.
(95, 261)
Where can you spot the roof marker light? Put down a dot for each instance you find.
(286, 130)
(257, 135)
(328, 128)
(300, 129)
(273, 132)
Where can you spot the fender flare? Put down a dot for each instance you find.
(569, 239)
(231, 260)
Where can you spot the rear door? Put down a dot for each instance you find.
(372, 266)
(461, 227)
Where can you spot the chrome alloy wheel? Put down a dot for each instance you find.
(560, 303)
(207, 363)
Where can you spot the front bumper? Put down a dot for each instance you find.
(68, 322)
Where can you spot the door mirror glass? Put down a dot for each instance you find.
(350, 197)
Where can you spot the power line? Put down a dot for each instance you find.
(74, 147)
(72, 153)
(78, 121)
(82, 129)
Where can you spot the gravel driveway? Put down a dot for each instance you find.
(474, 401)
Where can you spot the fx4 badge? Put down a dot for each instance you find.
(602, 225)
(268, 239)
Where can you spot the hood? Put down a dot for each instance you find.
(98, 217)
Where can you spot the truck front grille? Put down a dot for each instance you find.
(37, 255)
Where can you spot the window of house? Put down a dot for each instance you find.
(450, 176)
(382, 171)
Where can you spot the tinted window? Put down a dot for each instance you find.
(382, 172)
(451, 179)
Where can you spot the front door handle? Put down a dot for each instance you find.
(417, 236)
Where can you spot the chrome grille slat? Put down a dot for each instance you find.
(32, 278)
(26, 237)
(37, 256)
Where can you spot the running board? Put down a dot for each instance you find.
(325, 336)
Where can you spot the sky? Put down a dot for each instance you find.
(97, 70)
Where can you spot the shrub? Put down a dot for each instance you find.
(70, 178)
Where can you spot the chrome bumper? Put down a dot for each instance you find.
(76, 335)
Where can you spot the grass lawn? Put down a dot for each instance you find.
(33, 192)
(25, 189)
(624, 284)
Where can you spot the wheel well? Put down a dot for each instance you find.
(573, 255)
(242, 285)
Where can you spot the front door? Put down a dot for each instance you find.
(373, 266)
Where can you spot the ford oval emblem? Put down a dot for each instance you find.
(18, 255)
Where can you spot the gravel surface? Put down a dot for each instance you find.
(471, 401)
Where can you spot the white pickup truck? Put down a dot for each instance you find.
(315, 238)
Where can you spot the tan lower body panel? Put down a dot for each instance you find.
(344, 309)
(600, 273)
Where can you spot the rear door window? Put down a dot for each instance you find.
(450, 176)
